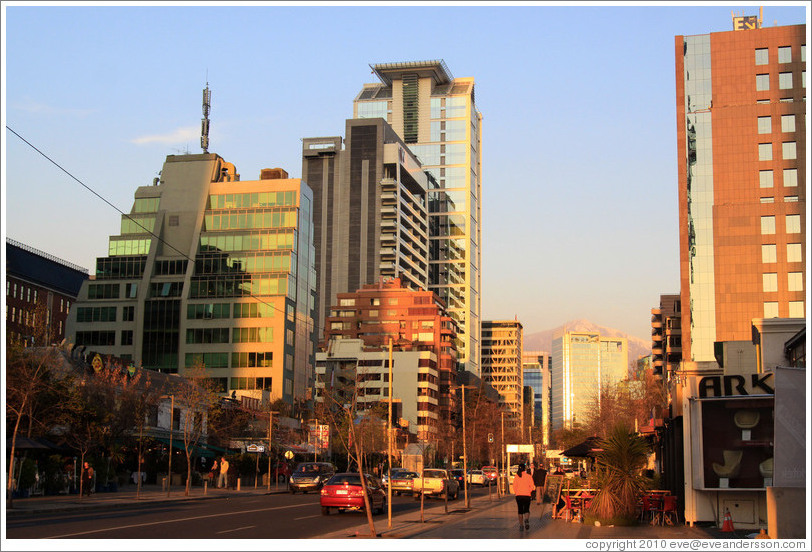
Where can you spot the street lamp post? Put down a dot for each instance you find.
(389, 444)
(465, 449)
(270, 446)
(171, 432)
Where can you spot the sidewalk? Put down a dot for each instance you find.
(497, 519)
(127, 496)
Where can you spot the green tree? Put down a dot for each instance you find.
(619, 478)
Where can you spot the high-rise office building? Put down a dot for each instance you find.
(436, 116)
(213, 271)
(741, 129)
(536, 366)
(582, 363)
(369, 210)
(502, 367)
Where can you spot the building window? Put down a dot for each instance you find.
(126, 337)
(784, 81)
(346, 302)
(794, 253)
(770, 282)
(765, 152)
(768, 253)
(787, 123)
(788, 150)
(795, 281)
(128, 314)
(803, 52)
(796, 309)
(762, 56)
(765, 179)
(784, 54)
(793, 224)
(768, 225)
(771, 309)
(762, 82)
(765, 125)
(767, 200)
(790, 178)
(791, 199)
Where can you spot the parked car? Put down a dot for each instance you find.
(385, 475)
(490, 472)
(310, 476)
(478, 477)
(459, 475)
(343, 491)
(403, 482)
(435, 482)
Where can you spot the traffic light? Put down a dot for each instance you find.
(490, 437)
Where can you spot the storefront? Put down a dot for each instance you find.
(729, 447)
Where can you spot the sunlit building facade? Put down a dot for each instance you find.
(214, 272)
(741, 143)
(536, 366)
(502, 367)
(582, 363)
(436, 115)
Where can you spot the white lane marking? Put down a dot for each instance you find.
(175, 521)
(237, 529)
(306, 517)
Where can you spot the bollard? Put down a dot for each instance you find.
(205, 487)
(163, 484)
(238, 484)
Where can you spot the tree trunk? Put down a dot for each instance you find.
(360, 456)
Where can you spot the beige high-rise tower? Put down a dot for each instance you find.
(436, 116)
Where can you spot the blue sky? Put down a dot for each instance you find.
(579, 194)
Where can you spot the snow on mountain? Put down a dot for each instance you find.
(543, 341)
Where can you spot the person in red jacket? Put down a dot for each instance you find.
(523, 487)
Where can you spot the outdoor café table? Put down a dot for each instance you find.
(578, 500)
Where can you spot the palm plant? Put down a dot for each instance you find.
(620, 481)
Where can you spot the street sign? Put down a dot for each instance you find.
(255, 448)
(289, 455)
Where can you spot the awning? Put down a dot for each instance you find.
(586, 449)
(200, 450)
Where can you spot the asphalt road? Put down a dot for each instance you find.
(275, 516)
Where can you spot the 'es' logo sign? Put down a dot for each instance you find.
(746, 23)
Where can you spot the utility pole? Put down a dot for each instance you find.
(270, 446)
(464, 451)
(389, 444)
(171, 431)
(502, 452)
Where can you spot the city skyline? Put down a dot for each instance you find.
(107, 93)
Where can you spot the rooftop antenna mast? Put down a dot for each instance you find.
(204, 125)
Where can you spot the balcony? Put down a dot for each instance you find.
(657, 350)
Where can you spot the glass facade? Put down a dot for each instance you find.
(249, 296)
(446, 140)
(699, 168)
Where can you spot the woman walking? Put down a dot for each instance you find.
(523, 487)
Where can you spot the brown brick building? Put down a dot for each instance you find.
(415, 320)
(741, 129)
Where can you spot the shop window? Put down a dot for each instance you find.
(737, 442)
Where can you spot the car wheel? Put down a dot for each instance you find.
(383, 506)
(292, 491)
(416, 496)
(340, 510)
(304, 492)
(325, 511)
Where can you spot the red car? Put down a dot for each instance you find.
(490, 472)
(344, 492)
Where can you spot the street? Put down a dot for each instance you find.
(274, 516)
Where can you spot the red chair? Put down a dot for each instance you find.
(645, 508)
(669, 513)
(568, 511)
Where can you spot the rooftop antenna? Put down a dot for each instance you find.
(204, 125)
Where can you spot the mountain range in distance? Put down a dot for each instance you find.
(543, 341)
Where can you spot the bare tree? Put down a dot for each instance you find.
(198, 395)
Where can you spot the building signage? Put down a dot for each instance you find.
(726, 386)
(745, 23)
(255, 448)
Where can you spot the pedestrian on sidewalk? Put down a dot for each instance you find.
(87, 478)
(222, 481)
(539, 476)
(523, 489)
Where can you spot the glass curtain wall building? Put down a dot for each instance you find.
(741, 113)
(229, 286)
(436, 116)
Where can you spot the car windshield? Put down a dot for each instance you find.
(404, 475)
(345, 479)
(308, 468)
